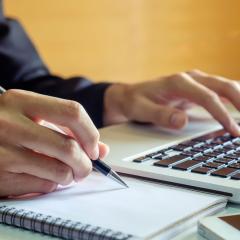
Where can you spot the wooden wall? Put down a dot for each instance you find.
(133, 40)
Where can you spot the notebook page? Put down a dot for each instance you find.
(141, 210)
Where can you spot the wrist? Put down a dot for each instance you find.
(114, 104)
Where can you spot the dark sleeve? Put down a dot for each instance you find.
(21, 67)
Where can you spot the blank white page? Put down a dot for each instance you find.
(142, 210)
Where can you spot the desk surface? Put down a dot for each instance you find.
(10, 233)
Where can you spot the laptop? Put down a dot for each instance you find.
(202, 156)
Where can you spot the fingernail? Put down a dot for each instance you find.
(177, 120)
(95, 153)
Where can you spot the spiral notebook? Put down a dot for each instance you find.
(98, 209)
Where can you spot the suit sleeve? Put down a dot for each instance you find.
(21, 67)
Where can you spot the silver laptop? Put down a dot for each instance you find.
(202, 156)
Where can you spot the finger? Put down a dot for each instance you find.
(12, 184)
(63, 112)
(103, 150)
(160, 115)
(20, 160)
(203, 96)
(182, 104)
(229, 89)
(30, 135)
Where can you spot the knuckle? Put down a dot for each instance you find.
(64, 174)
(210, 97)
(171, 80)
(70, 147)
(181, 75)
(10, 95)
(175, 78)
(75, 109)
(7, 125)
(195, 72)
(231, 85)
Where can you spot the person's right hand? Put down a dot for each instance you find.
(163, 101)
(35, 159)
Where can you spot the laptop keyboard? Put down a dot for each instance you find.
(216, 154)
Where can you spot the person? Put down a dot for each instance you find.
(35, 159)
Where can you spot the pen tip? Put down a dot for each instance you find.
(117, 178)
(124, 184)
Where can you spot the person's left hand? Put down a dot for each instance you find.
(163, 101)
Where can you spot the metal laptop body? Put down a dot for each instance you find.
(130, 141)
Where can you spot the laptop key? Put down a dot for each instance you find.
(221, 150)
(233, 155)
(151, 155)
(186, 165)
(235, 139)
(142, 159)
(227, 138)
(204, 138)
(213, 165)
(191, 154)
(229, 147)
(167, 162)
(236, 176)
(217, 141)
(201, 170)
(181, 148)
(237, 142)
(202, 149)
(223, 172)
(158, 157)
(223, 160)
(192, 144)
(202, 158)
(235, 165)
(213, 154)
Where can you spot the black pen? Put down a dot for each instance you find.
(98, 165)
(103, 168)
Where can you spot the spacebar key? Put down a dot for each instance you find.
(167, 162)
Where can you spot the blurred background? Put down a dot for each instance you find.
(133, 40)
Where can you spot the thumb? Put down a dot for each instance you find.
(160, 115)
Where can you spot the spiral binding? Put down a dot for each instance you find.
(57, 227)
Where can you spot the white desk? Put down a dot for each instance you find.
(11, 233)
